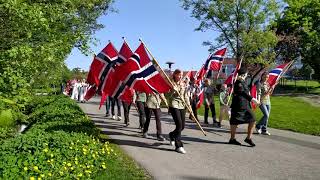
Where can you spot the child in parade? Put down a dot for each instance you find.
(265, 106)
(153, 105)
(177, 109)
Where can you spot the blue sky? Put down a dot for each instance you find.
(165, 27)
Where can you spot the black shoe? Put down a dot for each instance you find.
(219, 125)
(249, 141)
(161, 138)
(107, 115)
(234, 141)
(127, 124)
(206, 122)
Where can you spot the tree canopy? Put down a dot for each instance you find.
(299, 32)
(242, 26)
(37, 35)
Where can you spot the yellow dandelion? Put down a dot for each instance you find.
(46, 150)
(72, 143)
(88, 141)
(48, 161)
(25, 168)
(51, 155)
(51, 160)
(31, 178)
(76, 159)
(65, 168)
(72, 168)
(39, 178)
(36, 168)
(69, 164)
(103, 166)
(76, 162)
(49, 174)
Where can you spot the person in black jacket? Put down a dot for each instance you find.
(241, 111)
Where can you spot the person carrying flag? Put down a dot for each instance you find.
(241, 111)
(177, 109)
(153, 105)
(265, 106)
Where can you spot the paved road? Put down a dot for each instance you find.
(283, 155)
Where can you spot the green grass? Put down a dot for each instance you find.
(122, 167)
(288, 113)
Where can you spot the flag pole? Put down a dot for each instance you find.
(171, 84)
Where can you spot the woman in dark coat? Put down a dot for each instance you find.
(241, 111)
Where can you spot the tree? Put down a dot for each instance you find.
(242, 24)
(37, 35)
(299, 29)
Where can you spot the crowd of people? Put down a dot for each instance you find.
(185, 93)
(76, 89)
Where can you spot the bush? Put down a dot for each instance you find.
(62, 143)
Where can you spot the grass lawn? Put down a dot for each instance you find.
(122, 167)
(288, 113)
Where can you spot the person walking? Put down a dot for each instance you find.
(224, 108)
(126, 103)
(209, 102)
(265, 106)
(153, 105)
(193, 91)
(177, 109)
(113, 103)
(241, 112)
(141, 98)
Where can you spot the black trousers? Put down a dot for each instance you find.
(213, 112)
(108, 104)
(178, 116)
(157, 114)
(126, 110)
(142, 115)
(194, 108)
(113, 103)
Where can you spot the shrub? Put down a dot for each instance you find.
(61, 143)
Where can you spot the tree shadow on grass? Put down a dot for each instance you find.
(82, 127)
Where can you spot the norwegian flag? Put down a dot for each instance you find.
(124, 54)
(200, 96)
(140, 74)
(100, 67)
(276, 73)
(214, 62)
(199, 75)
(232, 78)
(100, 62)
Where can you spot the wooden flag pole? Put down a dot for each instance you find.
(172, 85)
